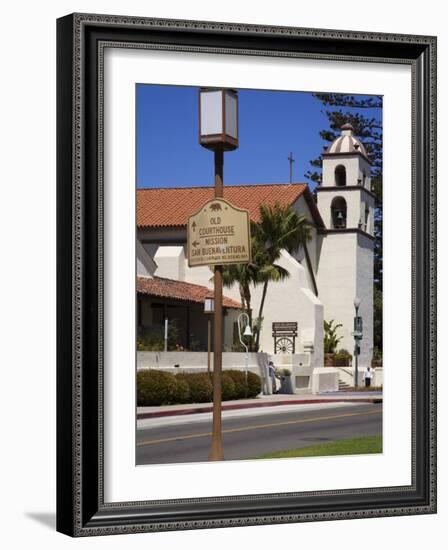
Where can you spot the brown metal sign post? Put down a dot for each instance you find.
(216, 451)
(218, 131)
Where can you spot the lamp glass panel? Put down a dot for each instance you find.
(231, 116)
(211, 113)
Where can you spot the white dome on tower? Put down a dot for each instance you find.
(346, 143)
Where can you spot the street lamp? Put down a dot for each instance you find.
(218, 131)
(247, 332)
(209, 309)
(218, 119)
(357, 334)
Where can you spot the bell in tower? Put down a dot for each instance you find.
(345, 199)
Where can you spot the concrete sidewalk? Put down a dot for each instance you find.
(261, 401)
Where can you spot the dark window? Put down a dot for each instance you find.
(340, 176)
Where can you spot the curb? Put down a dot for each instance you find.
(236, 406)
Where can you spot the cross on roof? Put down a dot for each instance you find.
(291, 160)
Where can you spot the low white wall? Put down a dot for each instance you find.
(324, 379)
(347, 375)
(305, 378)
(287, 361)
(196, 360)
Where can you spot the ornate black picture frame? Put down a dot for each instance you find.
(81, 509)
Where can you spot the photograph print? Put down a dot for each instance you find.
(258, 274)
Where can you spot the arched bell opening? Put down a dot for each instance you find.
(339, 213)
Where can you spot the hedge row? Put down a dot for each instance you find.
(155, 387)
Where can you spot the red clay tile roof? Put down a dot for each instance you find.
(170, 207)
(179, 290)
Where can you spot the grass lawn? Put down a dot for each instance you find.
(355, 446)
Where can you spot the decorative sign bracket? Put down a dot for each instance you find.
(284, 335)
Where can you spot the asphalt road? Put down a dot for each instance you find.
(245, 437)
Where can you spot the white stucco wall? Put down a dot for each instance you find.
(369, 202)
(301, 208)
(201, 275)
(170, 262)
(146, 266)
(346, 271)
(355, 167)
(291, 300)
(336, 279)
(364, 276)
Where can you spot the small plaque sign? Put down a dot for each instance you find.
(284, 327)
(218, 234)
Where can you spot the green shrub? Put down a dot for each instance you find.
(331, 339)
(182, 391)
(239, 378)
(155, 388)
(153, 339)
(227, 388)
(254, 384)
(377, 358)
(342, 358)
(200, 385)
(150, 342)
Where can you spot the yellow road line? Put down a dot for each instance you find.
(254, 427)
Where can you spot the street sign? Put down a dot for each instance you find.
(218, 234)
(357, 324)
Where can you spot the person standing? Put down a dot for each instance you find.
(368, 375)
(271, 369)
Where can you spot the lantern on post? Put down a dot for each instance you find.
(218, 119)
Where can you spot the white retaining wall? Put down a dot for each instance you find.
(305, 378)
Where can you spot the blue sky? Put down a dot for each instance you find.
(271, 124)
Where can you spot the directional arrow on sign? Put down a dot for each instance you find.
(215, 224)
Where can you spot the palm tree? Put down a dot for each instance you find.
(244, 275)
(280, 228)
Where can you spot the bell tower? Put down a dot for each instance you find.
(346, 204)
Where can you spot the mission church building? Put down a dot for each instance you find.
(325, 275)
